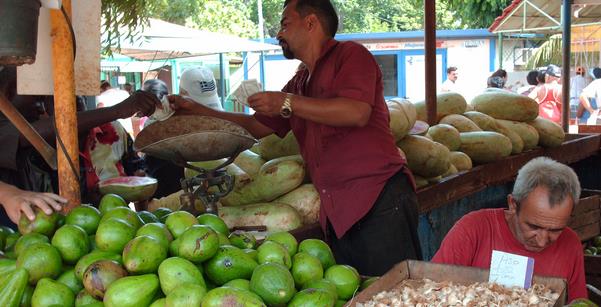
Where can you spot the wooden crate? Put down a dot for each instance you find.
(586, 218)
(592, 270)
(412, 269)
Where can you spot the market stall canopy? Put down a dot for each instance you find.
(163, 40)
(544, 16)
(130, 66)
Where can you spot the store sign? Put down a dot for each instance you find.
(473, 43)
(399, 45)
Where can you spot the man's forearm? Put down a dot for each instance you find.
(586, 104)
(86, 120)
(337, 112)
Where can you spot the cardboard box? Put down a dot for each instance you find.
(412, 269)
(586, 218)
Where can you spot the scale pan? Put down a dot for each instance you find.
(190, 138)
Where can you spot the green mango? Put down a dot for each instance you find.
(87, 260)
(175, 271)
(132, 291)
(12, 288)
(226, 296)
(186, 295)
(229, 263)
(142, 255)
(52, 293)
(69, 279)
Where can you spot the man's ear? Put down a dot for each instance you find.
(312, 21)
(511, 204)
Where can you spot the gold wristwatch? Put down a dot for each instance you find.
(286, 110)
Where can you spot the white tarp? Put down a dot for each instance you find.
(163, 40)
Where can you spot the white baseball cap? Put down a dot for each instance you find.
(198, 83)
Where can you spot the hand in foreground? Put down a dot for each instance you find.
(17, 201)
(186, 106)
(140, 103)
(267, 103)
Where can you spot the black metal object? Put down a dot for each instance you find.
(19, 31)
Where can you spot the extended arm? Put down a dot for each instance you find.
(140, 101)
(185, 106)
(336, 112)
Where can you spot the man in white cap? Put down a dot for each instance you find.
(198, 83)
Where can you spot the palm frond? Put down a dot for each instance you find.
(550, 52)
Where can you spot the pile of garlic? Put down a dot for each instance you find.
(422, 293)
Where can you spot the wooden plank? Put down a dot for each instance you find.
(575, 148)
(588, 218)
(589, 129)
(586, 204)
(588, 232)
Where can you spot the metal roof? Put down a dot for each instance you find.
(544, 16)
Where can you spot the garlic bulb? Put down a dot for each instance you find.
(441, 294)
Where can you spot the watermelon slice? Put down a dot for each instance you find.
(420, 128)
(131, 188)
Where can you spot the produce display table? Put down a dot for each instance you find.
(484, 186)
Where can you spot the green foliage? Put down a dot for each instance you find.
(120, 15)
(364, 16)
(478, 13)
(550, 52)
(240, 17)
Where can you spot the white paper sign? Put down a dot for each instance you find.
(511, 270)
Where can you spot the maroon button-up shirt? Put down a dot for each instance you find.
(349, 166)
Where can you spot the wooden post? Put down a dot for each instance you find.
(430, 58)
(64, 105)
(566, 41)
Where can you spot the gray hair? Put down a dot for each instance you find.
(558, 178)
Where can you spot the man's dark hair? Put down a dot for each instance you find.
(324, 10)
(532, 76)
(500, 73)
(541, 76)
(496, 81)
(451, 69)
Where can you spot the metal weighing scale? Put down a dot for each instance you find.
(188, 138)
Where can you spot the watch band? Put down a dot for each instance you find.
(286, 110)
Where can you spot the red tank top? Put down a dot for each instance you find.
(550, 106)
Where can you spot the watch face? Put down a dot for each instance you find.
(286, 112)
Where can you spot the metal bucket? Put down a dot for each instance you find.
(19, 31)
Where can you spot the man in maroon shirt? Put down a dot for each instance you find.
(335, 107)
(535, 226)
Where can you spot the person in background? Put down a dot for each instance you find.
(548, 95)
(105, 152)
(450, 84)
(335, 107)
(531, 79)
(495, 82)
(577, 84)
(16, 202)
(589, 99)
(502, 73)
(166, 172)
(20, 164)
(198, 84)
(128, 88)
(534, 225)
(104, 86)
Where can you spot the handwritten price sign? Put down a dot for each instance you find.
(511, 270)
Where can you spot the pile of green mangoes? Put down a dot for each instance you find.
(113, 256)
